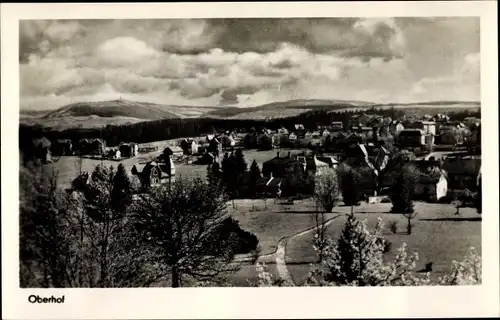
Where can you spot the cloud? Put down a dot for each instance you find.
(124, 50)
(246, 62)
(462, 84)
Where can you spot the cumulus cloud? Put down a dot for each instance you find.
(462, 84)
(243, 62)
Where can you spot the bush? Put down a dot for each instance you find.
(387, 246)
(243, 241)
(393, 226)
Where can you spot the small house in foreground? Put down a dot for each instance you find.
(154, 174)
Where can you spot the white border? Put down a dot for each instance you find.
(250, 302)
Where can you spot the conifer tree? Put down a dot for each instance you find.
(350, 186)
(255, 175)
(121, 194)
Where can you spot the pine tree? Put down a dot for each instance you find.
(240, 165)
(346, 256)
(350, 186)
(255, 175)
(229, 178)
(121, 194)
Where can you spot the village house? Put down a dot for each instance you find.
(365, 132)
(154, 174)
(462, 172)
(428, 127)
(92, 147)
(360, 120)
(128, 150)
(215, 147)
(300, 131)
(292, 136)
(325, 133)
(115, 154)
(411, 138)
(279, 167)
(396, 127)
(269, 187)
(376, 121)
(337, 126)
(194, 147)
(312, 165)
(283, 131)
(267, 142)
(61, 147)
(227, 141)
(209, 137)
(185, 144)
(432, 183)
(330, 160)
(173, 151)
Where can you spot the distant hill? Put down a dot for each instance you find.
(102, 113)
(118, 112)
(114, 108)
(284, 109)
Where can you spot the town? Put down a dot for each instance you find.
(251, 152)
(272, 172)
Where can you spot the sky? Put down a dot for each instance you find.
(248, 62)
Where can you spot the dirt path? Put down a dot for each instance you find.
(281, 252)
(281, 264)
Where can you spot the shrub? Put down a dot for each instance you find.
(243, 241)
(387, 246)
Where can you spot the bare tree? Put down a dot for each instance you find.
(44, 235)
(410, 216)
(183, 226)
(326, 192)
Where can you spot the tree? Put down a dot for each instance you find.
(479, 196)
(326, 189)
(255, 175)
(402, 192)
(182, 225)
(239, 163)
(228, 174)
(121, 193)
(357, 259)
(110, 256)
(214, 175)
(44, 232)
(409, 217)
(350, 186)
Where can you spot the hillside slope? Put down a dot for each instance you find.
(114, 108)
(283, 109)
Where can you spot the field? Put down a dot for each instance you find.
(438, 235)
